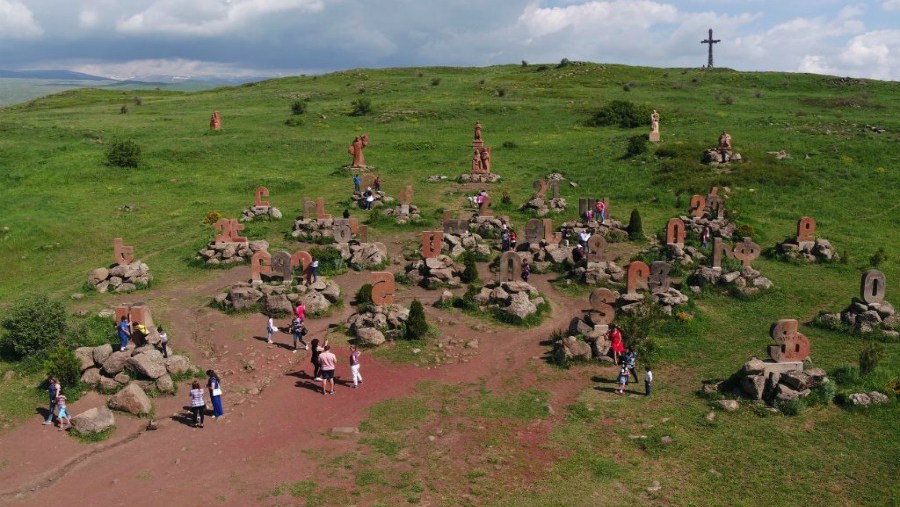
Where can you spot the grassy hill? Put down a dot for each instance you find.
(61, 205)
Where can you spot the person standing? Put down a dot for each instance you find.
(704, 238)
(271, 329)
(378, 183)
(648, 381)
(327, 362)
(300, 311)
(617, 346)
(298, 330)
(601, 210)
(630, 360)
(124, 331)
(623, 380)
(504, 241)
(512, 240)
(583, 238)
(163, 341)
(215, 394)
(356, 183)
(354, 366)
(53, 391)
(315, 350)
(63, 414)
(198, 405)
(314, 270)
(526, 271)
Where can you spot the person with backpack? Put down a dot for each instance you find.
(298, 330)
(53, 389)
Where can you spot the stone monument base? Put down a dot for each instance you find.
(479, 178)
(715, 156)
(654, 137)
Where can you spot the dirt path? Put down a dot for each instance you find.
(276, 418)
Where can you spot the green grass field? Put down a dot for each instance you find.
(60, 203)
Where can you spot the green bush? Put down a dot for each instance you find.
(361, 107)
(416, 325)
(298, 107)
(635, 227)
(470, 269)
(872, 353)
(637, 145)
(330, 261)
(62, 364)
(435, 81)
(33, 325)
(745, 231)
(123, 153)
(878, 258)
(623, 113)
(294, 122)
(364, 295)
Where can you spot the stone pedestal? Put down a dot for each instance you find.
(654, 137)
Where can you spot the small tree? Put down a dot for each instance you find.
(123, 153)
(637, 145)
(62, 364)
(470, 270)
(33, 325)
(872, 353)
(635, 228)
(364, 295)
(416, 325)
(123, 109)
(298, 107)
(361, 107)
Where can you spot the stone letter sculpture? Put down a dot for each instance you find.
(698, 206)
(716, 205)
(383, 288)
(654, 127)
(432, 243)
(455, 227)
(309, 208)
(601, 303)
(541, 188)
(725, 142)
(675, 232)
(229, 229)
(405, 196)
(260, 193)
(659, 276)
(746, 251)
(806, 229)
(792, 346)
(720, 248)
(638, 276)
(534, 230)
(301, 260)
(320, 209)
(872, 286)
(122, 254)
(281, 266)
(260, 264)
(596, 248)
(552, 238)
(356, 151)
(342, 230)
(215, 121)
(586, 204)
(507, 259)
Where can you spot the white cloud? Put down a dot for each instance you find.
(142, 69)
(88, 18)
(207, 17)
(597, 17)
(891, 5)
(874, 54)
(17, 21)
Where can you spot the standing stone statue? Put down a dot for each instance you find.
(215, 121)
(654, 127)
(725, 142)
(356, 151)
(478, 131)
(477, 167)
(486, 159)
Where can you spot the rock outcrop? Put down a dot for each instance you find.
(230, 253)
(120, 278)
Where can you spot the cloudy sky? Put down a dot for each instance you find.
(135, 38)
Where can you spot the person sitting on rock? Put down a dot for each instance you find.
(577, 254)
(139, 334)
(526, 271)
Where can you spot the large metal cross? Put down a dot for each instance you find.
(710, 41)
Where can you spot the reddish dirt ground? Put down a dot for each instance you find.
(265, 437)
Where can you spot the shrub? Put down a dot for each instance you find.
(729, 100)
(501, 92)
(470, 270)
(212, 217)
(524, 63)
(877, 258)
(641, 322)
(361, 107)
(138, 101)
(636, 145)
(416, 325)
(623, 113)
(62, 364)
(635, 228)
(123, 153)
(123, 109)
(435, 81)
(626, 87)
(505, 198)
(647, 350)
(745, 231)
(294, 122)
(364, 295)
(33, 325)
(298, 107)
(541, 68)
(872, 353)
(509, 144)
(565, 62)
(330, 261)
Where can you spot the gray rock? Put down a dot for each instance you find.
(370, 336)
(164, 384)
(860, 399)
(98, 275)
(122, 378)
(131, 399)
(149, 364)
(93, 420)
(785, 393)
(729, 405)
(243, 297)
(332, 291)
(754, 386)
(753, 367)
(797, 380)
(572, 348)
(177, 365)
(315, 302)
(116, 362)
(107, 384)
(91, 376)
(276, 303)
(86, 356)
(520, 306)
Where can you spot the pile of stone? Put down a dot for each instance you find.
(598, 273)
(866, 399)
(120, 278)
(231, 252)
(747, 281)
(380, 198)
(686, 255)
(715, 156)
(262, 212)
(313, 230)
(819, 250)
(666, 299)
(772, 381)
(865, 317)
(280, 298)
(436, 178)
(489, 226)
(435, 272)
(611, 229)
(542, 256)
(518, 299)
(404, 213)
(479, 178)
(543, 206)
(104, 368)
(718, 226)
(455, 245)
(373, 325)
(587, 340)
(363, 255)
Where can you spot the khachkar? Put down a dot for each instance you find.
(261, 208)
(780, 378)
(869, 312)
(383, 319)
(722, 153)
(278, 281)
(351, 237)
(654, 127)
(228, 246)
(123, 275)
(481, 161)
(542, 203)
(805, 246)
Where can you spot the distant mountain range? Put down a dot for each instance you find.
(68, 75)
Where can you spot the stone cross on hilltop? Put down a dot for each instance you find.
(710, 41)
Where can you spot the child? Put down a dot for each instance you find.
(623, 380)
(271, 329)
(163, 341)
(648, 380)
(198, 405)
(354, 366)
(63, 416)
(314, 270)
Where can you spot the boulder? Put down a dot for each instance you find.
(98, 275)
(177, 365)
(116, 362)
(93, 420)
(149, 364)
(753, 367)
(165, 384)
(520, 306)
(131, 399)
(572, 348)
(91, 376)
(754, 386)
(315, 302)
(369, 336)
(102, 352)
(332, 291)
(877, 397)
(86, 356)
(860, 399)
(729, 405)
(108, 385)
(785, 393)
(277, 304)
(795, 380)
(122, 378)
(244, 297)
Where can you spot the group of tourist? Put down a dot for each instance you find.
(57, 405)
(597, 213)
(626, 359)
(136, 332)
(198, 403)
